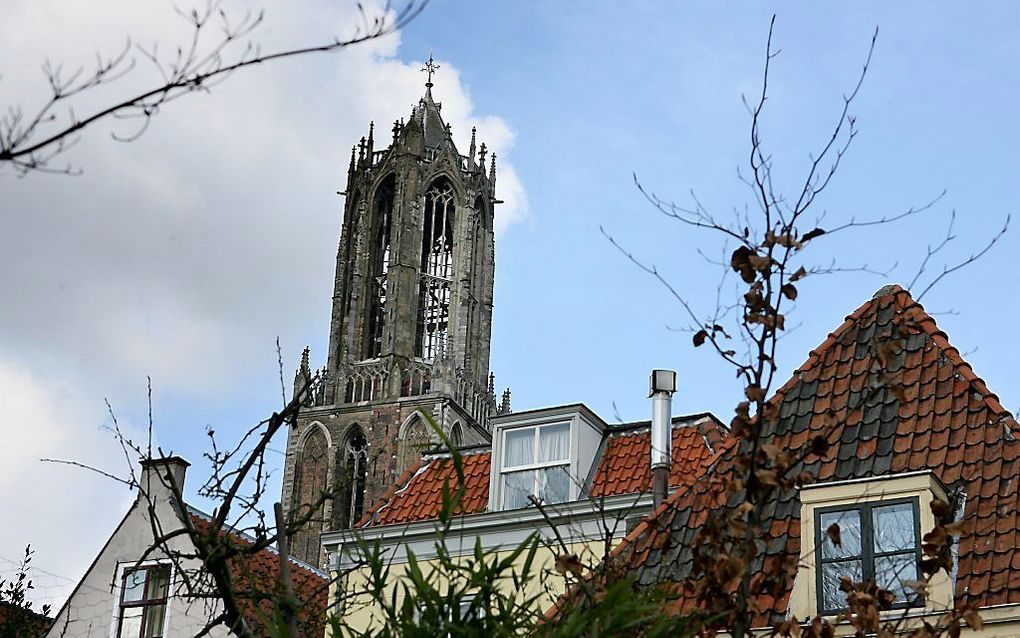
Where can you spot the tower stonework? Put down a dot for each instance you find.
(410, 329)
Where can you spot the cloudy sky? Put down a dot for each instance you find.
(184, 255)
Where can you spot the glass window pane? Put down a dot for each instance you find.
(554, 442)
(831, 595)
(134, 585)
(468, 614)
(519, 447)
(891, 572)
(159, 579)
(894, 527)
(556, 488)
(849, 522)
(131, 621)
(517, 486)
(154, 616)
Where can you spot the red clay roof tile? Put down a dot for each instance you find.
(258, 576)
(946, 421)
(623, 468)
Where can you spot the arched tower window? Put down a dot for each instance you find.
(379, 265)
(436, 270)
(352, 466)
(310, 481)
(413, 443)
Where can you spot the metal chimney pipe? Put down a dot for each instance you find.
(662, 385)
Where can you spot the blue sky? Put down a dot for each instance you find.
(186, 253)
(596, 93)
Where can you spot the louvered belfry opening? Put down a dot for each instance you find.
(382, 220)
(436, 276)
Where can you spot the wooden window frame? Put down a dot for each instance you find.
(868, 554)
(145, 603)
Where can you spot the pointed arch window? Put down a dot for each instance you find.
(379, 265)
(436, 276)
(457, 434)
(352, 463)
(309, 485)
(415, 440)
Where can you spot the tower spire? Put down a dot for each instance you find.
(430, 68)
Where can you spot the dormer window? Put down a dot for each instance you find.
(536, 462)
(878, 541)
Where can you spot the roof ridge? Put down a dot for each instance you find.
(905, 303)
(680, 421)
(962, 366)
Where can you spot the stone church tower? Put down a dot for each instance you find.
(411, 323)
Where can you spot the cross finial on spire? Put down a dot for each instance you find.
(430, 68)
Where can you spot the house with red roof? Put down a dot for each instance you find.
(592, 478)
(132, 592)
(908, 422)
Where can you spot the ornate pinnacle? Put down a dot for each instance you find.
(471, 151)
(396, 130)
(481, 156)
(504, 405)
(492, 169)
(302, 376)
(371, 138)
(353, 149)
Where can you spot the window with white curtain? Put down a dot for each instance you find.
(536, 462)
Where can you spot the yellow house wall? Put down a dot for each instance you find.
(359, 613)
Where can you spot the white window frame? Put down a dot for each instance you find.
(118, 587)
(504, 470)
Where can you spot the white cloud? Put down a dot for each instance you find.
(166, 251)
(182, 255)
(65, 513)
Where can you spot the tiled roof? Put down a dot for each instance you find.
(623, 468)
(942, 418)
(260, 574)
(418, 495)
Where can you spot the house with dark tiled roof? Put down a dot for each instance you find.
(131, 592)
(593, 478)
(909, 421)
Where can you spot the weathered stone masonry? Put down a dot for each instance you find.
(411, 322)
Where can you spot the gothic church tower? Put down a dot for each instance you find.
(411, 323)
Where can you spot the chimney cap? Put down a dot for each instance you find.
(162, 473)
(662, 381)
(164, 460)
